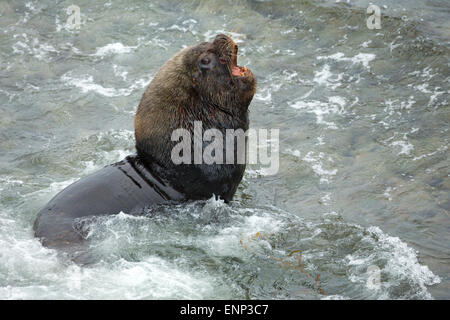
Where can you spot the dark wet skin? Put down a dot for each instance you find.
(126, 186)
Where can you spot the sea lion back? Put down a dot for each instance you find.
(125, 186)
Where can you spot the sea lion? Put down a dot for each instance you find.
(200, 83)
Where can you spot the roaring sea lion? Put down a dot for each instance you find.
(199, 83)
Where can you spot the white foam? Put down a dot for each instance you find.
(425, 73)
(326, 198)
(113, 48)
(58, 186)
(40, 51)
(405, 147)
(361, 58)
(325, 77)
(366, 43)
(7, 181)
(245, 233)
(395, 260)
(316, 161)
(274, 83)
(46, 277)
(394, 45)
(434, 96)
(387, 192)
(396, 108)
(334, 106)
(438, 150)
(295, 153)
(320, 141)
(119, 71)
(402, 260)
(229, 238)
(264, 95)
(335, 297)
(87, 84)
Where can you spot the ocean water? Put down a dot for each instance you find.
(359, 208)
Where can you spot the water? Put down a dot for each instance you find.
(364, 170)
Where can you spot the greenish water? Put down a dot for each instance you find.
(364, 170)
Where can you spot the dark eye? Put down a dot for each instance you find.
(206, 63)
(222, 60)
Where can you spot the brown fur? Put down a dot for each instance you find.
(181, 93)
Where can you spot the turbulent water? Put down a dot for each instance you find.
(362, 192)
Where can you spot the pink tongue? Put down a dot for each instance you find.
(235, 71)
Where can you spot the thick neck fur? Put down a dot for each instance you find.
(175, 99)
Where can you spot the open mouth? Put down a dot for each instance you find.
(237, 71)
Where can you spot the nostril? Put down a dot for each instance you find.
(205, 61)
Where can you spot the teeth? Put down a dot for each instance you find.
(239, 71)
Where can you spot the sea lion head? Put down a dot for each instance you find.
(217, 76)
(200, 80)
